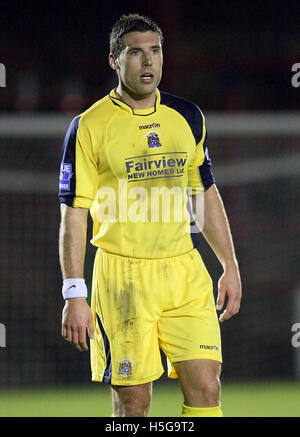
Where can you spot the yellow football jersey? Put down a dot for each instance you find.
(132, 169)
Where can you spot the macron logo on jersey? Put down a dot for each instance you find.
(65, 176)
(149, 126)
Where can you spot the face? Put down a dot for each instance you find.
(139, 65)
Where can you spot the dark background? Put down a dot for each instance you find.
(226, 56)
(238, 54)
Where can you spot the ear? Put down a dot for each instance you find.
(113, 62)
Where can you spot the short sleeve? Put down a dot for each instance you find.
(78, 179)
(200, 175)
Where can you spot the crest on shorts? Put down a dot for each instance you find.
(153, 139)
(125, 367)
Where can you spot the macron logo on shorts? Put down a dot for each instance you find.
(207, 346)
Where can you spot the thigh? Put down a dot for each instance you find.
(195, 373)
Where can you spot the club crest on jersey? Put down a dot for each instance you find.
(153, 139)
(125, 367)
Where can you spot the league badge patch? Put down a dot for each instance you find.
(65, 176)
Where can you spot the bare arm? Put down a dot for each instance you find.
(217, 233)
(72, 241)
(77, 315)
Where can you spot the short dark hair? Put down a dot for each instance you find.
(130, 23)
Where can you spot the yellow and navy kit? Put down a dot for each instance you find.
(150, 287)
(115, 157)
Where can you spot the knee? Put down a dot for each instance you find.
(131, 401)
(210, 390)
(136, 405)
(206, 391)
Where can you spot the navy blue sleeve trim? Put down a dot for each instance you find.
(193, 116)
(205, 169)
(67, 180)
(188, 110)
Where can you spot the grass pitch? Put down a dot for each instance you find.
(257, 399)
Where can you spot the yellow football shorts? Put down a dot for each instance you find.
(142, 305)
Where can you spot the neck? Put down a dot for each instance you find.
(134, 100)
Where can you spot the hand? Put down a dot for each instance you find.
(76, 319)
(229, 285)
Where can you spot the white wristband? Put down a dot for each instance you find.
(74, 287)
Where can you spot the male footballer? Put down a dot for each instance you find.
(130, 159)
